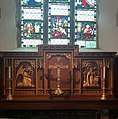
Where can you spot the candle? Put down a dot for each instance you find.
(104, 72)
(9, 72)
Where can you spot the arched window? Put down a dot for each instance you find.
(57, 22)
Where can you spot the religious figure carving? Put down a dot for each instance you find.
(91, 73)
(24, 76)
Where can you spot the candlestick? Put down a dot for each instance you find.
(9, 72)
(103, 90)
(9, 96)
(104, 72)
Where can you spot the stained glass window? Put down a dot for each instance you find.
(58, 22)
(85, 23)
(31, 23)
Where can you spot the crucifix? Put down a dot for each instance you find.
(58, 66)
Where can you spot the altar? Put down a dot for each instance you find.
(55, 77)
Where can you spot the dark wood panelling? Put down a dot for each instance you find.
(81, 82)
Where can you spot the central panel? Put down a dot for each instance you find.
(59, 72)
(58, 69)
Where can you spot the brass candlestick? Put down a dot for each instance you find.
(9, 97)
(103, 90)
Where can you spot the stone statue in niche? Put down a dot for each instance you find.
(91, 73)
(24, 75)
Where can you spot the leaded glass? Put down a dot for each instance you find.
(59, 22)
(31, 23)
(85, 23)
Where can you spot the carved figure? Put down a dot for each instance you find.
(91, 75)
(25, 74)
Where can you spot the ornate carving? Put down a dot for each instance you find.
(67, 55)
(58, 66)
(91, 70)
(24, 73)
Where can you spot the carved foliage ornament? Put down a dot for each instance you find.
(67, 55)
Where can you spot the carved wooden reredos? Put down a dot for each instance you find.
(57, 71)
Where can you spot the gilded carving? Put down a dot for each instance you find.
(67, 55)
(24, 73)
(58, 66)
(91, 70)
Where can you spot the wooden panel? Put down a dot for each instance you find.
(59, 67)
(79, 73)
(81, 81)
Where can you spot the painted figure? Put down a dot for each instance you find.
(87, 30)
(28, 29)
